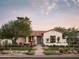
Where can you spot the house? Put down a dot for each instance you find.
(20, 41)
(50, 37)
(5, 41)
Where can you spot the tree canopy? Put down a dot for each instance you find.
(70, 34)
(21, 27)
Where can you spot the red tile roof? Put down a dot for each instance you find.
(37, 33)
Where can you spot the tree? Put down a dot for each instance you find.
(71, 35)
(60, 29)
(22, 27)
(6, 32)
(17, 28)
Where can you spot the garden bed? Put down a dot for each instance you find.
(51, 50)
(18, 49)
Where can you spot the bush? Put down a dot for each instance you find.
(21, 48)
(1, 48)
(64, 50)
(47, 52)
(77, 49)
(61, 50)
(30, 52)
(16, 48)
(53, 48)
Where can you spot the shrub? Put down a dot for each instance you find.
(64, 50)
(77, 49)
(1, 49)
(30, 52)
(61, 50)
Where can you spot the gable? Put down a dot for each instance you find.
(52, 31)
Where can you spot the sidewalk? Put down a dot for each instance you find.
(69, 55)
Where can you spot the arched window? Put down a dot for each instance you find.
(52, 39)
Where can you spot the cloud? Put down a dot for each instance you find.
(48, 7)
(67, 3)
(76, 1)
(45, 6)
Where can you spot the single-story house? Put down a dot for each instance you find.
(20, 41)
(5, 41)
(50, 37)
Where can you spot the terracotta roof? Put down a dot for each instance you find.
(37, 33)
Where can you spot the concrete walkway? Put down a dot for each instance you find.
(39, 50)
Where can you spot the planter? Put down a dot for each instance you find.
(4, 53)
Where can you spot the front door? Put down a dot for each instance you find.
(39, 40)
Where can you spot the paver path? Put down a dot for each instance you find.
(39, 50)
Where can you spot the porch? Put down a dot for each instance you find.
(36, 37)
(34, 40)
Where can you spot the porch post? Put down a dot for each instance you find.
(27, 41)
(56, 40)
(35, 39)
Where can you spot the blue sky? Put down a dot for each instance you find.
(44, 14)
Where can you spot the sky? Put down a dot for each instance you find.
(44, 14)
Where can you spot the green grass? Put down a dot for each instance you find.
(21, 48)
(17, 48)
(51, 52)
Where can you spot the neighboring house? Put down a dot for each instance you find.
(50, 37)
(20, 41)
(5, 41)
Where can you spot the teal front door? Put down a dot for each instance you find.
(39, 40)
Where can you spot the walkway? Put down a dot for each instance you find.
(39, 50)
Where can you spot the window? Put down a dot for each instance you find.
(52, 39)
(58, 39)
(47, 40)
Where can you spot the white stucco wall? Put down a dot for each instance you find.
(54, 33)
(20, 40)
